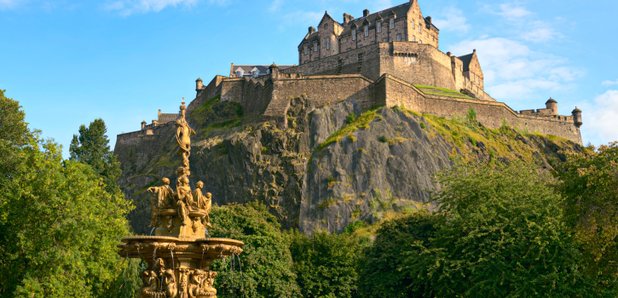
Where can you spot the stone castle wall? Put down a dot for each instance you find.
(491, 114)
(414, 62)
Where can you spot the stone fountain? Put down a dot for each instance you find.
(179, 254)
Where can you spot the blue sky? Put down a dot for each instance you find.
(69, 62)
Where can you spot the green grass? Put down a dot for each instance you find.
(214, 115)
(439, 91)
(353, 124)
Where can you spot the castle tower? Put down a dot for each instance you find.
(577, 117)
(199, 85)
(552, 105)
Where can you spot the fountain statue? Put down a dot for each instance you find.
(179, 255)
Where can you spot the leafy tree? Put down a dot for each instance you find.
(91, 147)
(503, 234)
(590, 188)
(381, 273)
(70, 249)
(326, 264)
(59, 227)
(264, 269)
(499, 231)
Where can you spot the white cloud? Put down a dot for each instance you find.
(603, 117)
(610, 83)
(303, 17)
(512, 11)
(539, 32)
(275, 5)
(129, 7)
(513, 71)
(452, 19)
(7, 4)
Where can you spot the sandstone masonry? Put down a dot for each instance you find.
(389, 58)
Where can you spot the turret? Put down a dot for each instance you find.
(577, 117)
(552, 105)
(143, 124)
(274, 71)
(199, 85)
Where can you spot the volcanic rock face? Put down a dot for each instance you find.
(323, 168)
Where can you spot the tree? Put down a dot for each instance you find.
(326, 265)
(264, 269)
(504, 234)
(381, 273)
(91, 147)
(59, 226)
(499, 231)
(590, 188)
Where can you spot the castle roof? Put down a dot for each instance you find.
(263, 69)
(466, 59)
(397, 11)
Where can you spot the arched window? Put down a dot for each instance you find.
(315, 46)
(379, 27)
(391, 23)
(366, 30)
(353, 34)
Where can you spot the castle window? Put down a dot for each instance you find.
(379, 27)
(327, 43)
(315, 46)
(239, 73)
(391, 23)
(412, 25)
(420, 28)
(413, 38)
(398, 38)
(366, 30)
(353, 34)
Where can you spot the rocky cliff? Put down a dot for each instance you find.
(326, 167)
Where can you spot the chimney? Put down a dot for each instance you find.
(365, 13)
(428, 22)
(347, 18)
(311, 29)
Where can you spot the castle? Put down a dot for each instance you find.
(388, 58)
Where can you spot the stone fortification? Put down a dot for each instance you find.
(389, 58)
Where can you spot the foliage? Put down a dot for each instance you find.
(70, 249)
(503, 234)
(353, 124)
(91, 147)
(215, 114)
(590, 188)
(265, 268)
(381, 273)
(326, 264)
(59, 226)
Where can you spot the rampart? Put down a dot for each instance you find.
(269, 98)
(491, 114)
